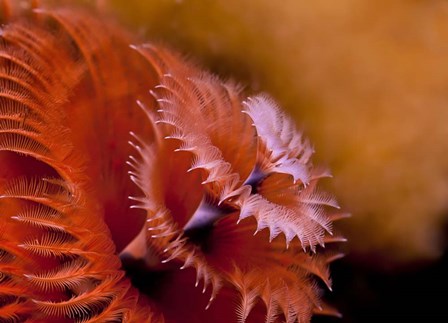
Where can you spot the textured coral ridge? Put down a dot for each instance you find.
(226, 185)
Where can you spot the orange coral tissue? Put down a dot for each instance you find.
(135, 187)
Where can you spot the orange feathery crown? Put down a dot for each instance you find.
(218, 189)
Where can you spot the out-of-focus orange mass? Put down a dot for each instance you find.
(366, 79)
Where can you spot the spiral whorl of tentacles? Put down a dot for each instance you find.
(226, 183)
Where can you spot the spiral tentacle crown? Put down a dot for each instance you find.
(111, 152)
